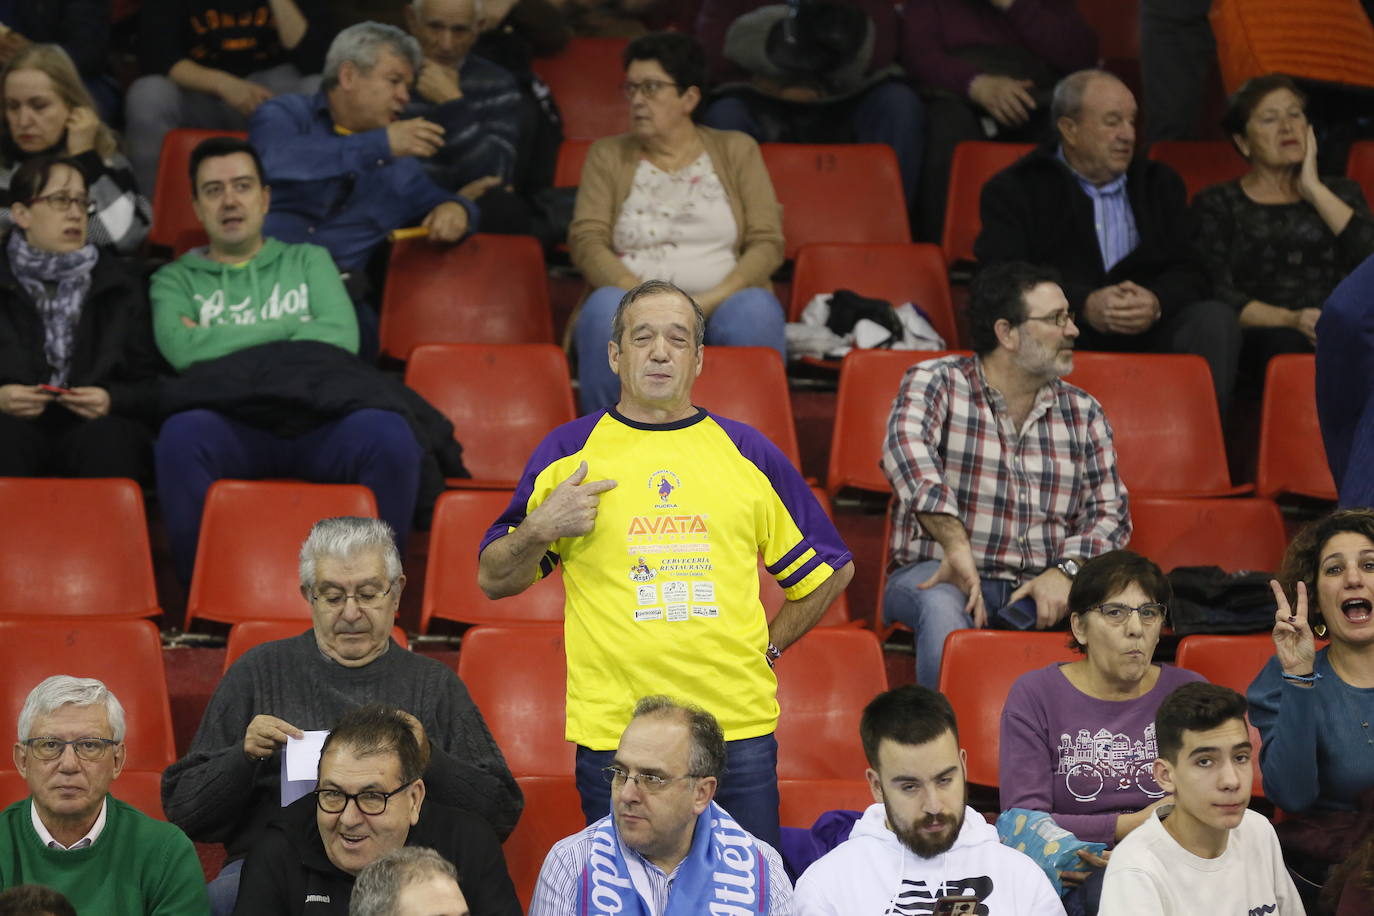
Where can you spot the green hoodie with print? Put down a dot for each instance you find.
(284, 292)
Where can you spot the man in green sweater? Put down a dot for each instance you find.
(70, 833)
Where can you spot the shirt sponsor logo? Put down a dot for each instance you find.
(640, 572)
(642, 525)
(663, 484)
(648, 613)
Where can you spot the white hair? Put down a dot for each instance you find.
(419, 7)
(362, 43)
(347, 536)
(61, 689)
(377, 892)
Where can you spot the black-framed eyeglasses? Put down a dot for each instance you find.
(1060, 318)
(1117, 614)
(61, 201)
(369, 597)
(334, 801)
(649, 88)
(45, 748)
(650, 783)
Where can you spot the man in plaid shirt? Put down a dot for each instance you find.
(1005, 476)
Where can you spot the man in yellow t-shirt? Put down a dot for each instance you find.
(658, 511)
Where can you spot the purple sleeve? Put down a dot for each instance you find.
(566, 440)
(818, 531)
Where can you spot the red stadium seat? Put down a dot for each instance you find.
(247, 559)
(567, 171)
(1164, 419)
(976, 673)
(501, 398)
(125, 654)
(1292, 458)
(246, 634)
(897, 273)
(1360, 166)
(488, 289)
(140, 788)
(174, 221)
(1200, 163)
(869, 382)
(749, 384)
(803, 800)
(975, 161)
(518, 678)
(461, 518)
(553, 810)
(824, 681)
(585, 78)
(61, 560)
(837, 193)
(1235, 534)
(1232, 661)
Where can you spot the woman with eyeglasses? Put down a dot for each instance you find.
(1078, 738)
(78, 365)
(671, 200)
(48, 112)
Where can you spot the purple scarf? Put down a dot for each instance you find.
(37, 271)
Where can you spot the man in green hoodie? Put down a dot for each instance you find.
(241, 291)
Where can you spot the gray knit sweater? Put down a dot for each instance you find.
(216, 794)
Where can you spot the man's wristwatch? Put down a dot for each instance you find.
(772, 653)
(1068, 566)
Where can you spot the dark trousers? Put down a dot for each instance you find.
(58, 443)
(1176, 51)
(748, 788)
(1345, 381)
(197, 447)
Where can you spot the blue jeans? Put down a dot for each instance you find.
(752, 317)
(224, 889)
(748, 788)
(197, 447)
(933, 613)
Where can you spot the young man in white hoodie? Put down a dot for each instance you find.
(1208, 852)
(920, 841)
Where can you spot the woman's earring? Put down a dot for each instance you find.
(1320, 630)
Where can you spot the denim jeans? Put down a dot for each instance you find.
(748, 788)
(752, 317)
(934, 613)
(223, 889)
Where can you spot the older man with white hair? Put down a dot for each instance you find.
(410, 881)
(71, 834)
(228, 785)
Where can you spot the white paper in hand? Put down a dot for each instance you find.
(300, 765)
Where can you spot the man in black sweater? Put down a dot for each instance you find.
(1117, 230)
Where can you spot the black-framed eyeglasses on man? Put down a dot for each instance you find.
(334, 801)
(1060, 318)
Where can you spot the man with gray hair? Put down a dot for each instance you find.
(71, 834)
(1117, 229)
(228, 785)
(410, 881)
(666, 845)
(344, 167)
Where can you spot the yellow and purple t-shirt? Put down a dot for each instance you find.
(663, 594)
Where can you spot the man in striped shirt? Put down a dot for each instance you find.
(1004, 475)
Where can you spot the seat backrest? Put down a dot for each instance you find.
(567, 170)
(501, 398)
(174, 220)
(246, 634)
(488, 289)
(1184, 532)
(124, 654)
(824, 681)
(1163, 414)
(61, 558)
(1359, 165)
(771, 595)
(749, 384)
(1200, 163)
(869, 382)
(897, 273)
(247, 559)
(461, 519)
(553, 810)
(1292, 458)
(585, 79)
(976, 673)
(975, 161)
(1232, 661)
(837, 193)
(518, 677)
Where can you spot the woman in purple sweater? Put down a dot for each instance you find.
(1078, 739)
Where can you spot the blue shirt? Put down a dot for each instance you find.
(1112, 216)
(345, 192)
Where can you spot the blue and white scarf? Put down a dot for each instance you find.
(725, 870)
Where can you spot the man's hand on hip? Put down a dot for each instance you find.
(958, 569)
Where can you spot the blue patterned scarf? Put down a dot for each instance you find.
(37, 271)
(724, 872)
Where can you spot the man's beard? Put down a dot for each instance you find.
(927, 845)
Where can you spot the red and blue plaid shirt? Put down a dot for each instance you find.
(1026, 497)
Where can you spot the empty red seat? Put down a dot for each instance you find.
(585, 79)
(975, 161)
(1235, 534)
(567, 170)
(1200, 163)
(1292, 458)
(825, 679)
(749, 384)
(837, 193)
